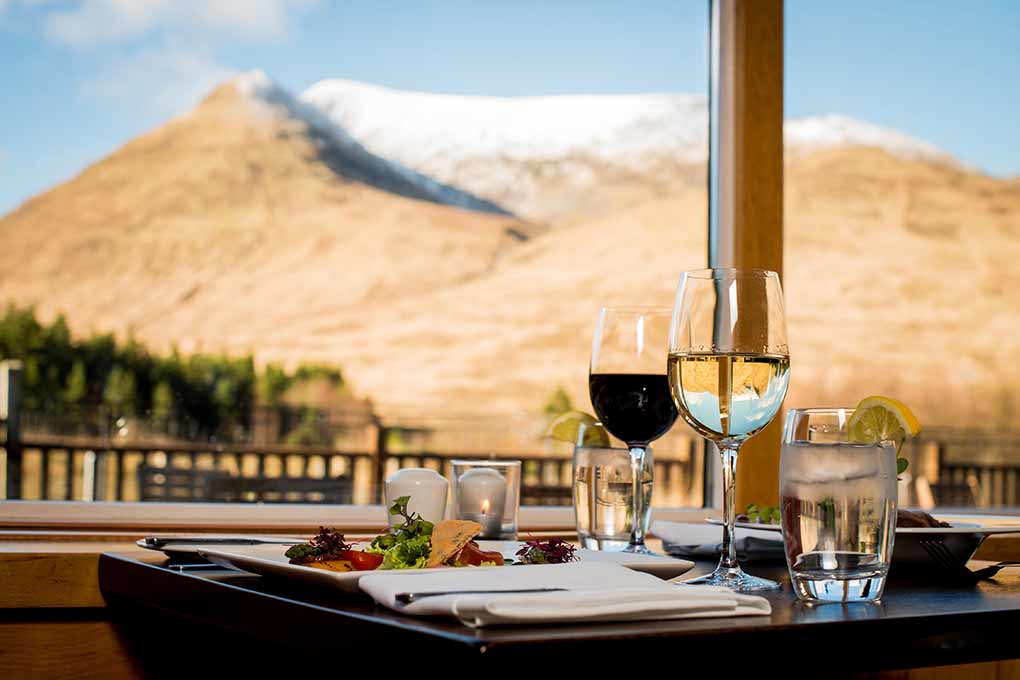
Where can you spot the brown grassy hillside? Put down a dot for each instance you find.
(225, 223)
(224, 230)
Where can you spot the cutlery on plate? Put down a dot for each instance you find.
(990, 571)
(206, 566)
(159, 542)
(945, 559)
(408, 598)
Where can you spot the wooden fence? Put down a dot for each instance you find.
(92, 469)
(963, 466)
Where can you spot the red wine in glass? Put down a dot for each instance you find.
(636, 408)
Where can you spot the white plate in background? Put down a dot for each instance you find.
(962, 539)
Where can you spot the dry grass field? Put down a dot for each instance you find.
(224, 230)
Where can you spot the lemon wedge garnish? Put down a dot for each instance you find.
(879, 419)
(573, 426)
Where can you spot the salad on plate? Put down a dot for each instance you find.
(419, 544)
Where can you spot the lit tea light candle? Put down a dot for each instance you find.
(484, 489)
(492, 522)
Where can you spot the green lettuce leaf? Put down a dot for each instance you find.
(410, 554)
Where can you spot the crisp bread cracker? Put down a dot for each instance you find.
(448, 537)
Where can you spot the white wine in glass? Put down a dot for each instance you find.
(729, 369)
(728, 396)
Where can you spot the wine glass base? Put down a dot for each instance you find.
(734, 579)
(638, 549)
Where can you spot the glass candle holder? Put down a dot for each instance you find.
(488, 492)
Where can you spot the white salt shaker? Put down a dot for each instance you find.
(427, 488)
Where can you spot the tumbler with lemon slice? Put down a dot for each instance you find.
(838, 487)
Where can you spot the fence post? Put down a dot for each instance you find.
(380, 459)
(11, 372)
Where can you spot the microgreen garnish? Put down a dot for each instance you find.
(330, 541)
(399, 507)
(327, 542)
(553, 551)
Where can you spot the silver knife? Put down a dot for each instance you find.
(408, 598)
(159, 542)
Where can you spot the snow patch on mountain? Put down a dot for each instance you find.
(437, 128)
(420, 126)
(804, 135)
(525, 152)
(347, 155)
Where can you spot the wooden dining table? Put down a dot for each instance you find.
(177, 620)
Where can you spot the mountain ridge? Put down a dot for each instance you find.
(367, 166)
(541, 156)
(224, 231)
(211, 212)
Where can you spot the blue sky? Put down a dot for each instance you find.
(82, 77)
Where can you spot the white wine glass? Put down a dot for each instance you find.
(729, 369)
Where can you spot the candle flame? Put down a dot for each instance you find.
(485, 507)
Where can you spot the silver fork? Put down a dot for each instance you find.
(941, 556)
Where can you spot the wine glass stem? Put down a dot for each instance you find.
(729, 471)
(637, 468)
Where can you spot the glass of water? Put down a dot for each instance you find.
(838, 502)
(603, 496)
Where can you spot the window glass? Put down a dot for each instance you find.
(274, 254)
(903, 229)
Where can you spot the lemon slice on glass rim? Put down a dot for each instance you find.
(879, 419)
(578, 428)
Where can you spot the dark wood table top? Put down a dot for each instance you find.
(918, 623)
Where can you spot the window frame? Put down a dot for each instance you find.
(745, 79)
(246, 518)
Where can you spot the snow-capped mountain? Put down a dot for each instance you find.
(347, 155)
(540, 156)
(440, 128)
(254, 224)
(803, 135)
(250, 209)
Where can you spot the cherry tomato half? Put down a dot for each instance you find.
(363, 561)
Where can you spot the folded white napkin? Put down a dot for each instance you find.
(705, 541)
(593, 592)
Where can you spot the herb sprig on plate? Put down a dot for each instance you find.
(408, 545)
(553, 551)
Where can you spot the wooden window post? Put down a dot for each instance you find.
(746, 180)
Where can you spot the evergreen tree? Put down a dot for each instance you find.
(162, 402)
(77, 388)
(271, 385)
(215, 393)
(119, 394)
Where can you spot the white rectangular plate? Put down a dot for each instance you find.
(961, 524)
(961, 539)
(269, 560)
